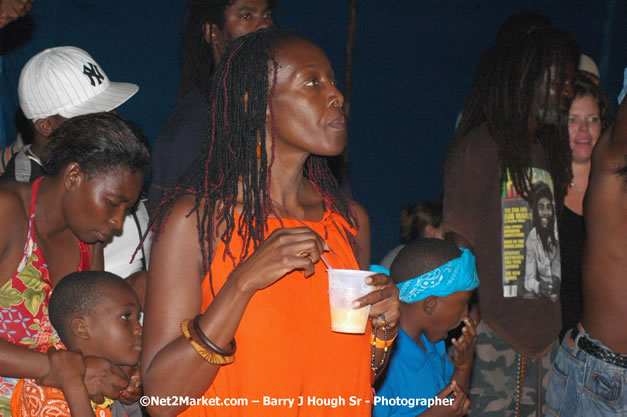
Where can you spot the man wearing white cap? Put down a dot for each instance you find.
(55, 85)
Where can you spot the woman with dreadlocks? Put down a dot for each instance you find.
(515, 136)
(237, 254)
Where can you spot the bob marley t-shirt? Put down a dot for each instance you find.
(515, 241)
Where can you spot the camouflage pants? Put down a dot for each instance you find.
(494, 386)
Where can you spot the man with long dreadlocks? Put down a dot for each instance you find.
(212, 26)
(240, 254)
(516, 140)
(589, 374)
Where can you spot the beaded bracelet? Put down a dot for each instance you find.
(205, 353)
(381, 344)
(373, 346)
(209, 343)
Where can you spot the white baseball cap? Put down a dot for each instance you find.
(69, 82)
(587, 64)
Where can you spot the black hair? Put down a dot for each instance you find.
(546, 235)
(521, 24)
(584, 87)
(516, 26)
(416, 217)
(77, 294)
(244, 86)
(99, 143)
(198, 64)
(421, 256)
(506, 98)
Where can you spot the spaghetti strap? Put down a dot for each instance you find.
(33, 201)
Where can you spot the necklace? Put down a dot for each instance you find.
(572, 184)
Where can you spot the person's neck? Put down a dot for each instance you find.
(50, 222)
(38, 145)
(577, 187)
(411, 326)
(581, 172)
(287, 187)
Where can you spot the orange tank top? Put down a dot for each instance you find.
(288, 361)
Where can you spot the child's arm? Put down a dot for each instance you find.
(77, 398)
(464, 354)
(73, 368)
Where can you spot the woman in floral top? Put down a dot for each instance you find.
(95, 166)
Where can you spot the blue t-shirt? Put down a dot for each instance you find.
(413, 374)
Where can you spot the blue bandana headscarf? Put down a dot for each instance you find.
(458, 274)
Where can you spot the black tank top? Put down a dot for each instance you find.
(571, 234)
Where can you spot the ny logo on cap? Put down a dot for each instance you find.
(92, 72)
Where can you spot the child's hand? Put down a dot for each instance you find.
(465, 345)
(459, 406)
(103, 378)
(66, 369)
(134, 391)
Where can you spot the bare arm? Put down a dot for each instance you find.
(72, 366)
(137, 281)
(18, 362)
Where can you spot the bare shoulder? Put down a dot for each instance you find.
(610, 153)
(360, 213)
(14, 206)
(14, 201)
(179, 227)
(178, 238)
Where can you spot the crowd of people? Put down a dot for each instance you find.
(218, 302)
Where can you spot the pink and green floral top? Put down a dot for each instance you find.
(24, 300)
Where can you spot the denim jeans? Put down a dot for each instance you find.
(581, 385)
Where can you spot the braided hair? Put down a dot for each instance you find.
(198, 63)
(506, 97)
(242, 92)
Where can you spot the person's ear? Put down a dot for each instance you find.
(79, 328)
(44, 126)
(215, 38)
(429, 304)
(210, 31)
(430, 231)
(73, 175)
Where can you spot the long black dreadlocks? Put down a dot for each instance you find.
(509, 91)
(243, 87)
(514, 27)
(198, 62)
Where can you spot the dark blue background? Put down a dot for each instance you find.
(413, 66)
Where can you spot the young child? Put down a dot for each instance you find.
(435, 281)
(95, 313)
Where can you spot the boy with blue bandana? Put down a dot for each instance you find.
(436, 281)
